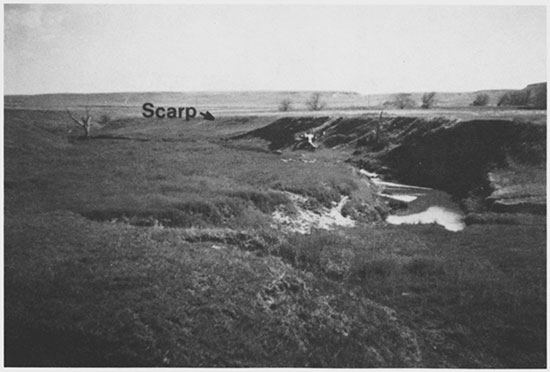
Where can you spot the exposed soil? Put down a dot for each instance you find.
(450, 155)
(281, 133)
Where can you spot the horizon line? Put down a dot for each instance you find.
(267, 91)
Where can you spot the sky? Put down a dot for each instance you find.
(51, 48)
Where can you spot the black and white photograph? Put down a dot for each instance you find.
(275, 185)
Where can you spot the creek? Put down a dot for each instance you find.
(424, 205)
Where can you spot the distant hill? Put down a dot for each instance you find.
(240, 100)
(537, 94)
(443, 99)
(253, 101)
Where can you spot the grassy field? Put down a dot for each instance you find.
(153, 244)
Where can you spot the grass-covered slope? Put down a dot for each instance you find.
(154, 244)
(175, 175)
(81, 293)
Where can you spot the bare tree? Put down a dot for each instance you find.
(84, 122)
(428, 100)
(403, 100)
(482, 99)
(285, 105)
(314, 103)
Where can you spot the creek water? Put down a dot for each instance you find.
(424, 205)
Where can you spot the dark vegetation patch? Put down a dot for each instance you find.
(365, 211)
(225, 211)
(266, 202)
(198, 213)
(251, 240)
(321, 196)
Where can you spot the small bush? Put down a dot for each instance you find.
(428, 100)
(104, 119)
(345, 186)
(402, 101)
(482, 99)
(266, 202)
(318, 195)
(314, 103)
(285, 105)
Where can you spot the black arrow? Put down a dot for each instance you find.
(207, 116)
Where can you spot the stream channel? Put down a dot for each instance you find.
(424, 205)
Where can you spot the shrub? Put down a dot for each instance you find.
(266, 202)
(482, 99)
(104, 119)
(402, 101)
(428, 100)
(285, 105)
(201, 210)
(314, 103)
(344, 186)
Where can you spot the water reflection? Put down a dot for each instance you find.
(447, 218)
(424, 205)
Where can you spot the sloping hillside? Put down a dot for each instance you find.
(537, 95)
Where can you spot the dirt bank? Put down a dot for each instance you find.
(451, 155)
(458, 158)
